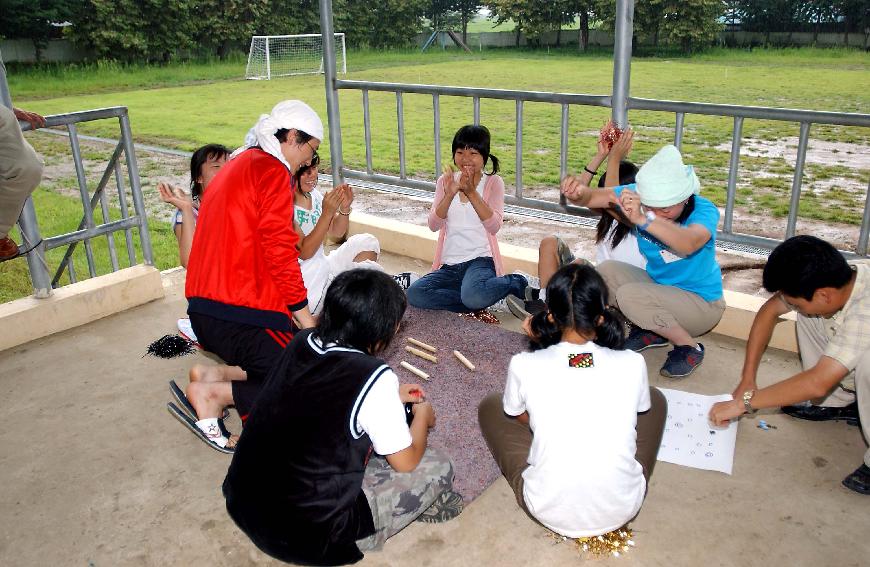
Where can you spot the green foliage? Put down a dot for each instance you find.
(385, 23)
(32, 19)
(691, 24)
(149, 30)
(223, 23)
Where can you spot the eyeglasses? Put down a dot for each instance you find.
(313, 151)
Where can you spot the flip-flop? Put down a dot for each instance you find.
(194, 428)
(185, 404)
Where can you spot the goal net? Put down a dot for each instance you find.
(283, 55)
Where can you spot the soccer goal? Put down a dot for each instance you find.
(284, 55)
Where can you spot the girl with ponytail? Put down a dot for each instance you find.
(578, 427)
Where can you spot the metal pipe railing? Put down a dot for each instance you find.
(88, 229)
(678, 108)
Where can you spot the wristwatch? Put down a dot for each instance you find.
(650, 216)
(747, 397)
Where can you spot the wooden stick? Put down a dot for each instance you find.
(414, 370)
(421, 354)
(421, 344)
(463, 360)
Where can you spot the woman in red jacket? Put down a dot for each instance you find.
(244, 285)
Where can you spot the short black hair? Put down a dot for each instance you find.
(301, 137)
(362, 310)
(577, 298)
(477, 138)
(802, 264)
(198, 159)
(627, 173)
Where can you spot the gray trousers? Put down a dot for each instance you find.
(510, 441)
(20, 170)
(654, 306)
(812, 341)
(397, 499)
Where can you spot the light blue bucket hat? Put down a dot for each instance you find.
(664, 180)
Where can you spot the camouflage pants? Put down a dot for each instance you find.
(396, 499)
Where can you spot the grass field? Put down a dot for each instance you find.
(186, 105)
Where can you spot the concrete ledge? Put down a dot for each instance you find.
(28, 319)
(419, 242)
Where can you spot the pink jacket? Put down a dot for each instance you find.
(493, 195)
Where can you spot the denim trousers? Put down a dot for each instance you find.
(465, 287)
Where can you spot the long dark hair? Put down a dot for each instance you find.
(577, 299)
(475, 138)
(627, 173)
(198, 159)
(362, 310)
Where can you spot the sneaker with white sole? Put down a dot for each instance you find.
(406, 279)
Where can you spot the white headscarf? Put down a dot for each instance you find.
(288, 114)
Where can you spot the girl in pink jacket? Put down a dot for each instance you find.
(467, 211)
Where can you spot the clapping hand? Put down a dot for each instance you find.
(175, 196)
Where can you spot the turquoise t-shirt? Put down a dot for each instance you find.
(698, 272)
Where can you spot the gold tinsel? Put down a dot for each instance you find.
(613, 543)
(482, 315)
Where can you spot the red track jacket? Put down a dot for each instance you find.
(244, 266)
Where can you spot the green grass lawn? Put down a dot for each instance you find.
(186, 105)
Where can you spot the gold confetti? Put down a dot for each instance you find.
(615, 543)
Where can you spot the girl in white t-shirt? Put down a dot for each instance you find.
(578, 428)
(316, 216)
(467, 211)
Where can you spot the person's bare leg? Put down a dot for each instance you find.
(218, 373)
(209, 398)
(548, 260)
(365, 255)
(678, 336)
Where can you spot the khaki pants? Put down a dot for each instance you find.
(812, 341)
(510, 441)
(653, 306)
(20, 170)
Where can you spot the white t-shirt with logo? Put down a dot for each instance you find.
(583, 478)
(466, 238)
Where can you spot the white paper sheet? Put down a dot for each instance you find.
(690, 440)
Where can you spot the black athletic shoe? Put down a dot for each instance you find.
(848, 413)
(859, 481)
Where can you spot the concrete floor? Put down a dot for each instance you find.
(96, 473)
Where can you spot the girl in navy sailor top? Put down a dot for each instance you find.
(304, 483)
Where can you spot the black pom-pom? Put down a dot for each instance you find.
(170, 346)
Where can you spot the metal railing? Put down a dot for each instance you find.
(89, 228)
(805, 118)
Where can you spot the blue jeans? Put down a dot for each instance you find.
(463, 288)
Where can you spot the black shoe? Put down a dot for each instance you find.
(848, 413)
(522, 309)
(859, 481)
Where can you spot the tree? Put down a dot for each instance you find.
(688, 23)
(466, 10)
(224, 23)
(385, 23)
(518, 11)
(152, 30)
(32, 19)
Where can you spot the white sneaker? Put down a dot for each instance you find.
(501, 305)
(534, 281)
